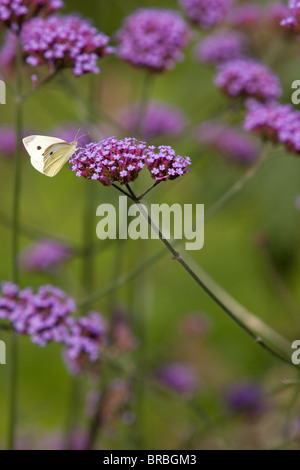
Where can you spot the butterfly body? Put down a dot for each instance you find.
(48, 154)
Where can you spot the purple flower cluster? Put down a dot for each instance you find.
(292, 20)
(87, 336)
(113, 160)
(153, 38)
(179, 377)
(275, 122)
(110, 160)
(46, 316)
(64, 42)
(229, 141)
(159, 119)
(15, 12)
(204, 13)
(45, 255)
(248, 78)
(245, 397)
(221, 47)
(166, 165)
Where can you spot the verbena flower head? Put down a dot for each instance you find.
(245, 397)
(221, 47)
(153, 38)
(164, 164)
(45, 255)
(159, 119)
(179, 377)
(248, 78)
(275, 122)
(113, 160)
(43, 315)
(229, 141)
(64, 42)
(110, 160)
(206, 13)
(87, 337)
(47, 316)
(14, 13)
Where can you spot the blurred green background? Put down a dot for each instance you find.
(162, 297)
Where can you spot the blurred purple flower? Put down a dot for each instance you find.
(113, 160)
(43, 316)
(221, 47)
(159, 119)
(7, 141)
(46, 316)
(179, 377)
(64, 42)
(230, 141)
(245, 16)
(275, 122)
(245, 397)
(248, 78)
(206, 14)
(153, 38)
(69, 131)
(45, 255)
(87, 337)
(13, 13)
(275, 12)
(292, 20)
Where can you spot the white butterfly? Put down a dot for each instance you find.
(48, 154)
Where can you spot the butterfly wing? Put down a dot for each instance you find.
(56, 156)
(36, 146)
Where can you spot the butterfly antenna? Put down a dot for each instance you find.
(77, 134)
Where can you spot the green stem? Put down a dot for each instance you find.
(240, 184)
(40, 85)
(30, 232)
(148, 190)
(120, 282)
(145, 97)
(88, 230)
(224, 199)
(12, 407)
(220, 300)
(252, 325)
